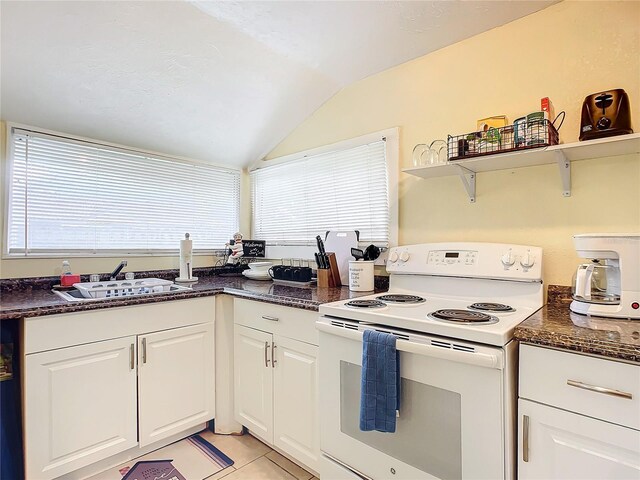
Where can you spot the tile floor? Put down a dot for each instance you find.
(253, 460)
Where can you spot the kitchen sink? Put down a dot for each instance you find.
(92, 291)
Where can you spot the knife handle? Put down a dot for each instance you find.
(322, 261)
(320, 245)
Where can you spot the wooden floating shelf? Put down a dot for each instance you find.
(562, 155)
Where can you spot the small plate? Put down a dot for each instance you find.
(258, 276)
(256, 273)
(257, 266)
(293, 283)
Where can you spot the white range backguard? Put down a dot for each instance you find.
(461, 259)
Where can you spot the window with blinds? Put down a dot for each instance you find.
(77, 197)
(293, 202)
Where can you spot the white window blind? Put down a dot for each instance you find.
(342, 190)
(77, 197)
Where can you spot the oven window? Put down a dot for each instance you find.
(428, 431)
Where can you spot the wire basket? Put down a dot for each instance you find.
(521, 135)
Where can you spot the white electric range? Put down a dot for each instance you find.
(453, 308)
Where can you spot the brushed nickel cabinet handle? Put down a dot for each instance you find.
(595, 388)
(132, 357)
(144, 350)
(271, 319)
(266, 350)
(273, 355)
(525, 438)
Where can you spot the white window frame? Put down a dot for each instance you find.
(115, 253)
(392, 156)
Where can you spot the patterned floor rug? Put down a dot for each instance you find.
(193, 458)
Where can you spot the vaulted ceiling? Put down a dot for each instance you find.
(217, 81)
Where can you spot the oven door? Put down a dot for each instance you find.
(450, 424)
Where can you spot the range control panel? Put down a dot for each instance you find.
(482, 260)
(449, 257)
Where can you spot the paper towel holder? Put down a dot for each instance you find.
(186, 261)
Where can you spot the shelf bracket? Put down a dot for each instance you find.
(468, 179)
(565, 173)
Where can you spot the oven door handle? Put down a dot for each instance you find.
(473, 358)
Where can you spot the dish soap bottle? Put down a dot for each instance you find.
(66, 267)
(67, 279)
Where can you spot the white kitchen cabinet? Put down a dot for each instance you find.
(80, 406)
(295, 386)
(276, 377)
(253, 381)
(175, 380)
(91, 396)
(558, 445)
(578, 417)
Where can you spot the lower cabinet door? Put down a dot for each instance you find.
(176, 383)
(295, 372)
(80, 406)
(556, 444)
(253, 381)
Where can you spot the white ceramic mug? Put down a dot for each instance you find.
(361, 275)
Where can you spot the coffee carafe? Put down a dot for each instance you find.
(597, 282)
(609, 285)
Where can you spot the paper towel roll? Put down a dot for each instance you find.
(186, 257)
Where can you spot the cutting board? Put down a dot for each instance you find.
(341, 242)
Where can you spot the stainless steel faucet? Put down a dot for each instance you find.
(118, 269)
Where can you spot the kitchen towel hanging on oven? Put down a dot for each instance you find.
(380, 383)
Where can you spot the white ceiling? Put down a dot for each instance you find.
(218, 81)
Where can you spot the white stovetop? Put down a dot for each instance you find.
(415, 317)
(455, 275)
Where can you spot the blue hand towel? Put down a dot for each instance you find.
(380, 387)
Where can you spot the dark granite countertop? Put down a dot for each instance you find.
(556, 326)
(20, 298)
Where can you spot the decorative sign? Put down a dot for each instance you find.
(254, 248)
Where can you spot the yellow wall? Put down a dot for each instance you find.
(566, 52)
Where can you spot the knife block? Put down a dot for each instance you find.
(329, 277)
(325, 279)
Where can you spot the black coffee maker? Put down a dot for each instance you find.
(605, 114)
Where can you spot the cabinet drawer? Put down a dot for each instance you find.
(599, 388)
(286, 321)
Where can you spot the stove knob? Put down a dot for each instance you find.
(528, 260)
(393, 257)
(404, 256)
(507, 259)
